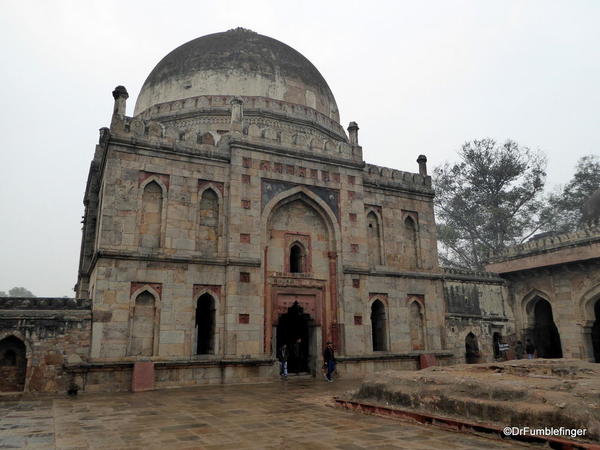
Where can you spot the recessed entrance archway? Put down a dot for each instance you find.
(545, 333)
(378, 328)
(13, 364)
(596, 332)
(205, 325)
(471, 349)
(294, 330)
(497, 340)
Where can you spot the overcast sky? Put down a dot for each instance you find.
(417, 76)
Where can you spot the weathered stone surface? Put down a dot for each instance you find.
(534, 393)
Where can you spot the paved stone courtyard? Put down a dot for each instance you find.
(293, 414)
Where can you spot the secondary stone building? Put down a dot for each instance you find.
(554, 291)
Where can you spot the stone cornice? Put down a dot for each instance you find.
(177, 148)
(476, 317)
(134, 256)
(474, 277)
(298, 154)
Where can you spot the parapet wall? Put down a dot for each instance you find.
(554, 250)
(194, 136)
(396, 179)
(585, 236)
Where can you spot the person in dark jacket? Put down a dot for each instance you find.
(519, 350)
(329, 360)
(283, 361)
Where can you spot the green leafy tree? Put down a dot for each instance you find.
(20, 292)
(492, 198)
(566, 205)
(3, 294)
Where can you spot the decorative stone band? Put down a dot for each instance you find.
(223, 103)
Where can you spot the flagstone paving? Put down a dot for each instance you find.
(295, 414)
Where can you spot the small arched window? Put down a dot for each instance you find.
(297, 258)
(206, 138)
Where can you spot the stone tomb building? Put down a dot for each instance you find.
(232, 214)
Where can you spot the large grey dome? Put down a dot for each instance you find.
(237, 62)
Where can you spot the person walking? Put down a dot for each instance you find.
(530, 349)
(283, 361)
(329, 360)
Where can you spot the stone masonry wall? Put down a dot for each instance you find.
(55, 331)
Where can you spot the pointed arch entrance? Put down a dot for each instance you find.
(471, 349)
(596, 332)
(545, 333)
(293, 330)
(301, 238)
(205, 325)
(378, 328)
(13, 364)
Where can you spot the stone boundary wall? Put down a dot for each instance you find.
(54, 331)
(44, 303)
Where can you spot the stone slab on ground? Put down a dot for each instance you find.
(285, 414)
(534, 393)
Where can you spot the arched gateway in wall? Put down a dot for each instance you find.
(541, 328)
(13, 364)
(300, 262)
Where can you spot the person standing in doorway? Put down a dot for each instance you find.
(297, 356)
(519, 350)
(530, 349)
(283, 361)
(329, 359)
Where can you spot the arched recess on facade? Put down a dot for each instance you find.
(205, 138)
(209, 223)
(15, 361)
(330, 305)
(379, 314)
(416, 313)
(410, 226)
(374, 236)
(541, 328)
(207, 323)
(312, 200)
(472, 350)
(590, 311)
(144, 322)
(152, 213)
